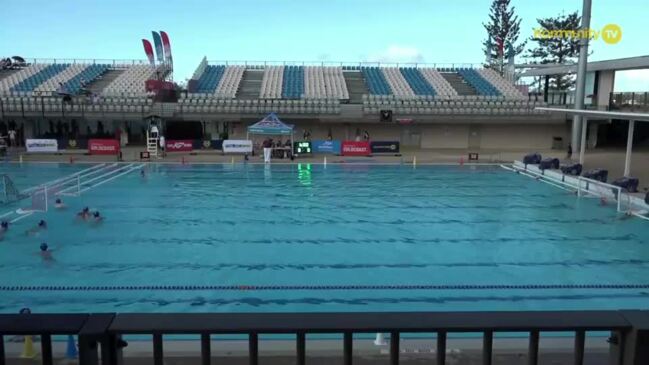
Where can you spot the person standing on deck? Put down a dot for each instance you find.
(268, 149)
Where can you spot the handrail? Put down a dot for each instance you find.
(628, 341)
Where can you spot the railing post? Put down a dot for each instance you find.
(2, 351)
(157, 350)
(487, 347)
(205, 349)
(394, 348)
(533, 350)
(348, 349)
(253, 348)
(88, 354)
(580, 339)
(301, 348)
(441, 348)
(46, 349)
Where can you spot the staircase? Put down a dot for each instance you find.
(356, 86)
(250, 85)
(100, 83)
(458, 83)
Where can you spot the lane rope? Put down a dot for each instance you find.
(320, 287)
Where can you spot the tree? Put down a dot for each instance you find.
(503, 30)
(554, 45)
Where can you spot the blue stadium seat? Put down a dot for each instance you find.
(473, 78)
(90, 74)
(32, 82)
(210, 79)
(293, 82)
(375, 81)
(417, 82)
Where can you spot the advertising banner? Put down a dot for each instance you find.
(237, 146)
(103, 146)
(321, 146)
(42, 145)
(384, 146)
(353, 148)
(185, 145)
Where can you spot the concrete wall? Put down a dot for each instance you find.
(439, 136)
(605, 86)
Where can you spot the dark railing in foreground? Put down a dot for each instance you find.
(629, 341)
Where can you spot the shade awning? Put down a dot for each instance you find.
(271, 125)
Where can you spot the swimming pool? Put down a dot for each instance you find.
(254, 238)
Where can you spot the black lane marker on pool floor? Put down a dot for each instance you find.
(320, 287)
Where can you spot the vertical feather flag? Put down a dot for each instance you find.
(148, 49)
(167, 46)
(158, 46)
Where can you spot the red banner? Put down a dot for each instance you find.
(148, 49)
(185, 145)
(353, 148)
(167, 46)
(103, 146)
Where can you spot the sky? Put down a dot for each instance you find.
(432, 31)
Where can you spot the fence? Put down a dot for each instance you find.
(629, 341)
(350, 64)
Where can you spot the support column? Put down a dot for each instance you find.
(629, 147)
(582, 146)
(580, 90)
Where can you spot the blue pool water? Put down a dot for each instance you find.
(230, 228)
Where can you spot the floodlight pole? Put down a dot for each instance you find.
(580, 90)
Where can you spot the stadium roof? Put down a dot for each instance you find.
(620, 64)
(599, 114)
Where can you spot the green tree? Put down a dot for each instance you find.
(556, 49)
(503, 30)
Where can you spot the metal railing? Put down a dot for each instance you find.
(87, 61)
(352, 64)
(629, 340)
(80, 106)
(629, 100)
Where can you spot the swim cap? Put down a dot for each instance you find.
(41, 223)
(58, 201)
(43, 246)
(96, 214)
(25, 311)
(86, 209)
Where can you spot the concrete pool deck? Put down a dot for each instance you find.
(610, 159)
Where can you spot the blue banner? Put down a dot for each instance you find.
(321, 146)
(157, 41)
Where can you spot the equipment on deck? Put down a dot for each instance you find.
(597, 174)
(532, 159)
(549, 163)
(573, 169)
(630, 184)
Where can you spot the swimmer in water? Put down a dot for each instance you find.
(4, 226)
(46, 253)
(58, 204)
(97, 217)
(41, 226)
(84, 214)
(142, 173)
(603, 202)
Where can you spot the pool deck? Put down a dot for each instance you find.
(610, 159)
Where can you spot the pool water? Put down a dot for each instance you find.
(234, 227)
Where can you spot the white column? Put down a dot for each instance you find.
(629, 146)
(582, 145)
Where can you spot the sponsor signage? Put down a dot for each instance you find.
(320, 146)
(384, 146)
(42, 145)
(103, 146)
(237, 146)
(185, 145)
(353, 148)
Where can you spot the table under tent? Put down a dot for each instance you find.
(271, 125)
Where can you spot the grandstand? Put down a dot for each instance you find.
(303, 93)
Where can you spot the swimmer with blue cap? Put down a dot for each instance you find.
(97, 217)
(4, 226)
(84, 214)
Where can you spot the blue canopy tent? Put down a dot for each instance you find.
(271, 125)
